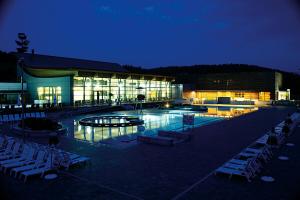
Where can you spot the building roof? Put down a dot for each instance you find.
(38, 61)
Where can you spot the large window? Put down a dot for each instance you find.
(49, 94)
(97, 90)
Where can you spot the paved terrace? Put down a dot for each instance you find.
(153, 172)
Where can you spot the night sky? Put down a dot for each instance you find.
(153, 33)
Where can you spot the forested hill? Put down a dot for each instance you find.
(175, 70)
(188, 74)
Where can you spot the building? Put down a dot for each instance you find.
(10, 86)
(232, 83)
(237, 88)
(52, 79)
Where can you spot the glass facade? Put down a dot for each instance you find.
(212, 96)
(103, 90)
(49, 94)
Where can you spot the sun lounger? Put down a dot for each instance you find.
(17, 117)
(263, 139)
(2, 142)
(231, 172)
(27, 159)
(80, 160)
(11, 118)
(7, 147)
(13, 153)
(39, 161)
(43, 115)
(260, 153)
(250, 163)
(41, 169)
(5, 118)
(23, 154)
(23, 162)
(38, 115)
(251, 171)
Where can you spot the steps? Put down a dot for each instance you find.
(165, 138)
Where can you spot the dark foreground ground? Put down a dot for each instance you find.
(180, 172)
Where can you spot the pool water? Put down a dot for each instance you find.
(154, 120)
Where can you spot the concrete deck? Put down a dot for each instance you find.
(153, 172)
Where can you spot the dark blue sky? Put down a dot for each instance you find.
(159, 33)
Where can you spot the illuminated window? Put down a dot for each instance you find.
(264, 96)
(95, 89)
(239, 94)
(49, 94)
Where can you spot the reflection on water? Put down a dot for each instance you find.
(229, 111)
(153, 120)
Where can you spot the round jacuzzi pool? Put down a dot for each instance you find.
(111, 121)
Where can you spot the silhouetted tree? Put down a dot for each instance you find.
(22, 43)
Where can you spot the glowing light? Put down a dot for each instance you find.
(88, 130)
(167, 105)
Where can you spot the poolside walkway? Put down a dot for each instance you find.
(154, 172)
(286, 175)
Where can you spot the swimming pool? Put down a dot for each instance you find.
(154, 120)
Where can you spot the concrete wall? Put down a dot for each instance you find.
(64, 82)
(176, 91)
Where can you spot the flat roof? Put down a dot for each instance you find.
(38, 61)
(52, 66)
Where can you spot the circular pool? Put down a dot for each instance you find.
(111, 121)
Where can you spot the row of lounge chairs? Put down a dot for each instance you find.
(249, 162)
(18, 117)
(28, 159)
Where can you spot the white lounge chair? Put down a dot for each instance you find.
(37, 162)
(257, 155)
(23, 154)
(241, 167)
(7, 147)
(11, 117)
(80, 160)
(26, 159)
(261, 153)
(231, 172)
(43, 115)
(38, 115)
(17, 117)
(41, 169)
(249, 163)
(5, 118)
(263, 140)
(14, 152)
(2, 142)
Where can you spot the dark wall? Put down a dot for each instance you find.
(232, 76)
(252, 81)
(292, 81)
(8, 67)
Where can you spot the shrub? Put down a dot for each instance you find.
(40, 124)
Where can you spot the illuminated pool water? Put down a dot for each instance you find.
(154, 120)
